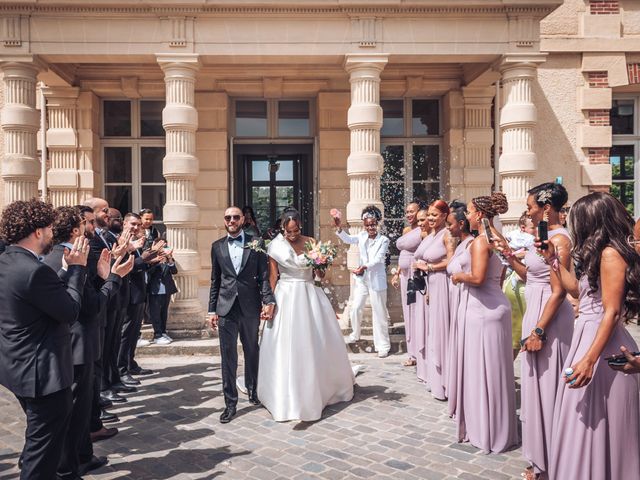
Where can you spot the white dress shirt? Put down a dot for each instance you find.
(236, 250)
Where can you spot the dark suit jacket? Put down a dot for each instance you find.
(250, 285)
(162, 273)
(2, 246)
(85, 334)
(37, 311)
(138, 280)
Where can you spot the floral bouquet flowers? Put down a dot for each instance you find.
(320, 255)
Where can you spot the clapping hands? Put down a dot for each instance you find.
(78, 254)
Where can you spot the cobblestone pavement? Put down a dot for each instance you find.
(169, 429)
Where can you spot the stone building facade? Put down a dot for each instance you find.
(186, 106)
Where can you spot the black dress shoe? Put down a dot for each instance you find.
(129, 381)
(254, 400)
(108, 417)
(112, 396)
(228, 414)
(140, 371)
(104, 403)
(93, 464)
(103, 434)
(123, 388)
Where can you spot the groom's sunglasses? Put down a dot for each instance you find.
(227, 218)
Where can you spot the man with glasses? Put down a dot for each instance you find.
(240, 296)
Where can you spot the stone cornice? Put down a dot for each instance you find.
(536, 9)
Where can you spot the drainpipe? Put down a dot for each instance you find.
(43, 143)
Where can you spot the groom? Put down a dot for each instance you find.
(240, 296)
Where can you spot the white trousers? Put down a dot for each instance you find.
(380, 315)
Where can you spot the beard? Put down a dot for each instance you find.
(47, 247)
(233, 232)
(89, 235)
(116, 227)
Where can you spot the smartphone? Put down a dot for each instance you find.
(543, 234)
(487, 230)
(619, 360)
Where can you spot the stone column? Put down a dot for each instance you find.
(20, 123)
(478, 140)
(62, 144)
(364, 164)
(518, 117)
(180, 169)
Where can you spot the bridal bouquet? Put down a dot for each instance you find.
(320, 255)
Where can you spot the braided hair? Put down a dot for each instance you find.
(492, 205)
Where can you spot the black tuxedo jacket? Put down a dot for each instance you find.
(3, 246)
(38, 308)
(250, 285)
(138, 280)
(85, 334)
(162, 273)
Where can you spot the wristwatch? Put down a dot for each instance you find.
(540, 333)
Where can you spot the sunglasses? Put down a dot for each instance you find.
(564, 210)
(105, 210)
(228, 218)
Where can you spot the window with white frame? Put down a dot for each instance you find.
(133, 147)
(624, 154)
(410, 148)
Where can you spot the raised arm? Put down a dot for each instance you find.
(346, 238)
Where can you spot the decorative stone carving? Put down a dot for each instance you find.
(518, 118)
(180, 169)
(12, 31)
(366, 31)
(20, 123)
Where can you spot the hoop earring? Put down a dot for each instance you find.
(632, 241)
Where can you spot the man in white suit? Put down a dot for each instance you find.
(370, 278)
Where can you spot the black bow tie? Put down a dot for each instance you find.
(235, 239)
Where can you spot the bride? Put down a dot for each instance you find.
(303, 360)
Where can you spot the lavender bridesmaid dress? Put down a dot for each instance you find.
(455, 265)
(438, 318)
(541, 371)
(420, 321)
(408, 244)
(596, 433)
(486, 407)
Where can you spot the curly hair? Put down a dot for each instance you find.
(67, 218)
(599, 220)
(371, 211)
(20, 219)
(492, 205)
(550, 193)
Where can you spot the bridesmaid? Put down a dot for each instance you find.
(547, 326)
(435, 258)
(486, 406)
(596, 420)
(420, 325)
(459, 229)
(407, 244)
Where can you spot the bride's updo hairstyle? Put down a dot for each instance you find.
(491, 206)
(371, 211)
(290, 214)
(549, 193)
(597, 221)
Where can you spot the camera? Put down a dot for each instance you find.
(417, 283)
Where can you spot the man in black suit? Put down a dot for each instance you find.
(240, 296)
(38, 308)
(3, 246)
(160, 288)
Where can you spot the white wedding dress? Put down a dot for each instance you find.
(303, 359)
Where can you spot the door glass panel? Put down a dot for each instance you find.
(260, 171)
(251, 118)
(425, 118)
(151, 118)
(285, 171)
(293, 119)
(117, 165)
(622, 117)
(151, 164)
(392, 118)
(117, 118)
(393, 231)
(284, 198)
(427, 192)
(154, 197)
(426, 162)
(392, 197)
(119, 197)
(260, 201)
(393, 158)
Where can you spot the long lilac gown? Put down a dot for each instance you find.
(455, 265)
(408, 244)
(438, 318)
(420, 321)
(541, 372)
(596, 432)
(486, 407)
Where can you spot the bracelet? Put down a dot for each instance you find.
(429, 267)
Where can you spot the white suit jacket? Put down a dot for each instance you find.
(375, 276)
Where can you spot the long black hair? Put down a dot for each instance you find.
(597, 221)
(459, 211)
(549, 193)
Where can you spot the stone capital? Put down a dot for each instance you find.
(32, 62)
(363, 61)
(520, 64)
(61, 96)
(186, 61)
